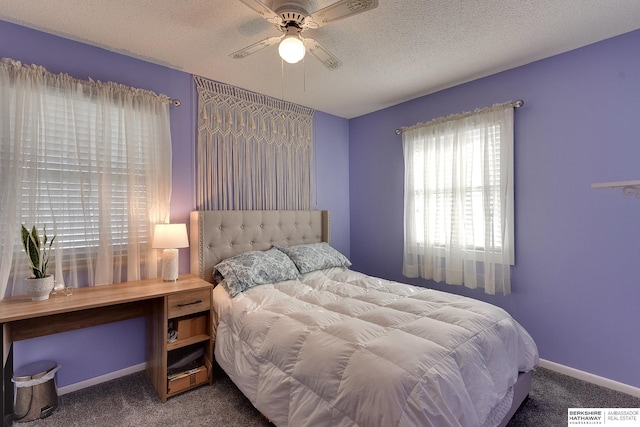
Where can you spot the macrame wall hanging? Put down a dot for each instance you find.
(254, 152)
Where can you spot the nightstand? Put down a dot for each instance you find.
(189, 315)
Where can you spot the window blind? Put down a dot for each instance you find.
(459, 199)
(65, 177)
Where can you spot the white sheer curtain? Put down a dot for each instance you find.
(254, 151)
(459, 199)
(92, 162)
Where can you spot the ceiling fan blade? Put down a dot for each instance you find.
(317, 50)
(338, 10)
(262, 44)
(264, 11)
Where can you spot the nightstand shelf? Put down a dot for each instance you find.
(187, 342)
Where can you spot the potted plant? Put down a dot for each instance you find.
(40, 284)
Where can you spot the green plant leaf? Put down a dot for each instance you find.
(25, 238)
(34, 255)
(35, 236)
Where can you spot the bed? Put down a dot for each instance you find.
(332, 346)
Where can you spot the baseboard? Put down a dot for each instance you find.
(552, 366)
(590, 378)
(101, 379)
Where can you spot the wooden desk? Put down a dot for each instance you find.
(21, 318)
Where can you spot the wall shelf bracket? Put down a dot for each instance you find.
(629, 188)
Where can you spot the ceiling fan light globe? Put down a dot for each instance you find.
(291, 49)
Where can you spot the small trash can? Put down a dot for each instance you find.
(35, 391)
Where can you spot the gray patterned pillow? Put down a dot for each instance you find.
(249, 269)
(315, 256)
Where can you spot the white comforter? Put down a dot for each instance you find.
(340, 348)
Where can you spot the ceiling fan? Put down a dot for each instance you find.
(291, 17)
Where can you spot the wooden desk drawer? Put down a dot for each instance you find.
(186, 303)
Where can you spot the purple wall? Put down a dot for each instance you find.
(331, 175)
(575, 285)
(91, 352)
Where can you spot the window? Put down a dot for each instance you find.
(459, 199)
(92, 162)
(69, 174)
(475, 191)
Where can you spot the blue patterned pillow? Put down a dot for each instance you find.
(315, 256)
(249, 269)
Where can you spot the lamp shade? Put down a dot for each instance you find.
(170, 236)
(291, 49)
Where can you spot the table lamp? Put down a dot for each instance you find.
(170, 237)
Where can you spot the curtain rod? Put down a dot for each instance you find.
(175, 102)
(515, 104)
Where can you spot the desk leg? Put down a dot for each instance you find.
(6, 403)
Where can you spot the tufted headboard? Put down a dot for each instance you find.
(217, 235)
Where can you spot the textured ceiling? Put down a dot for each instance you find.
(401, 50)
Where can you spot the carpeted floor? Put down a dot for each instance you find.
(131, 401)
(552, 394)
